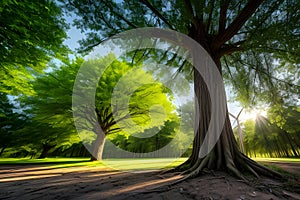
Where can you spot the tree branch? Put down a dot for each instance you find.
(212, 6)
(120, 16)
(223, 17)
(265, 73)
(189, 7)
(231, 48)
(156, 12)
(89, 47)
(197, 20)
(237, 23)
(228, 68)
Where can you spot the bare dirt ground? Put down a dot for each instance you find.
(291, 167)
(40, 182)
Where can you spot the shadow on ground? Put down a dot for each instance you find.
(41, 182)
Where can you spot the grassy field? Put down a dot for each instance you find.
(43, 161)
(143, 163)
(297, 160)
(118, 164)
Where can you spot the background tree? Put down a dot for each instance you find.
(10, 121)
(129, 111)
(31, 33)
(178, 130)
(250, 140)
(147, 141)
(154, 142)
(42, 138)
(263, 137)
(51, 123)
(238, 35)
(50, 109)
(286, 117)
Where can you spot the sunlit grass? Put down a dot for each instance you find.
(143, 163)
(270, 163)
(43, 161)
(115, 164)
(50, 162)
(277, 159)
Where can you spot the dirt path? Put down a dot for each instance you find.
(39, 182)
(292, 167)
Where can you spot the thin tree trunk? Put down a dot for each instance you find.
(239, 131)
(72, 152)
(98, 147)
(290, 143)
(32, 155)
(2, 150)
(46, 149)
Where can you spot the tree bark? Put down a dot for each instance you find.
(98, 147)
(225, 155)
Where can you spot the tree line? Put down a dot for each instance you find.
(274, 135)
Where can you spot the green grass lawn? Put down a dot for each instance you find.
(143, 163)
(271, 163)
(50, 162)
(116, 164)
(297, 160)
(43, 161)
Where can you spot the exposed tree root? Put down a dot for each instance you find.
(224, 156)
(236, 165)
(260, 168)
(244, 164)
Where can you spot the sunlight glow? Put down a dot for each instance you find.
(252, 114)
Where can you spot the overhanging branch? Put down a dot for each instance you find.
(157, 13)
(223, 17)
(238, 22)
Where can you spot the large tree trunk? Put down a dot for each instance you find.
(225, 155)
(98, 147)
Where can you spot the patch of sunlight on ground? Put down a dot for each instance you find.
(117, 164)
(277, 159)
(143, 163)
(51, 162)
